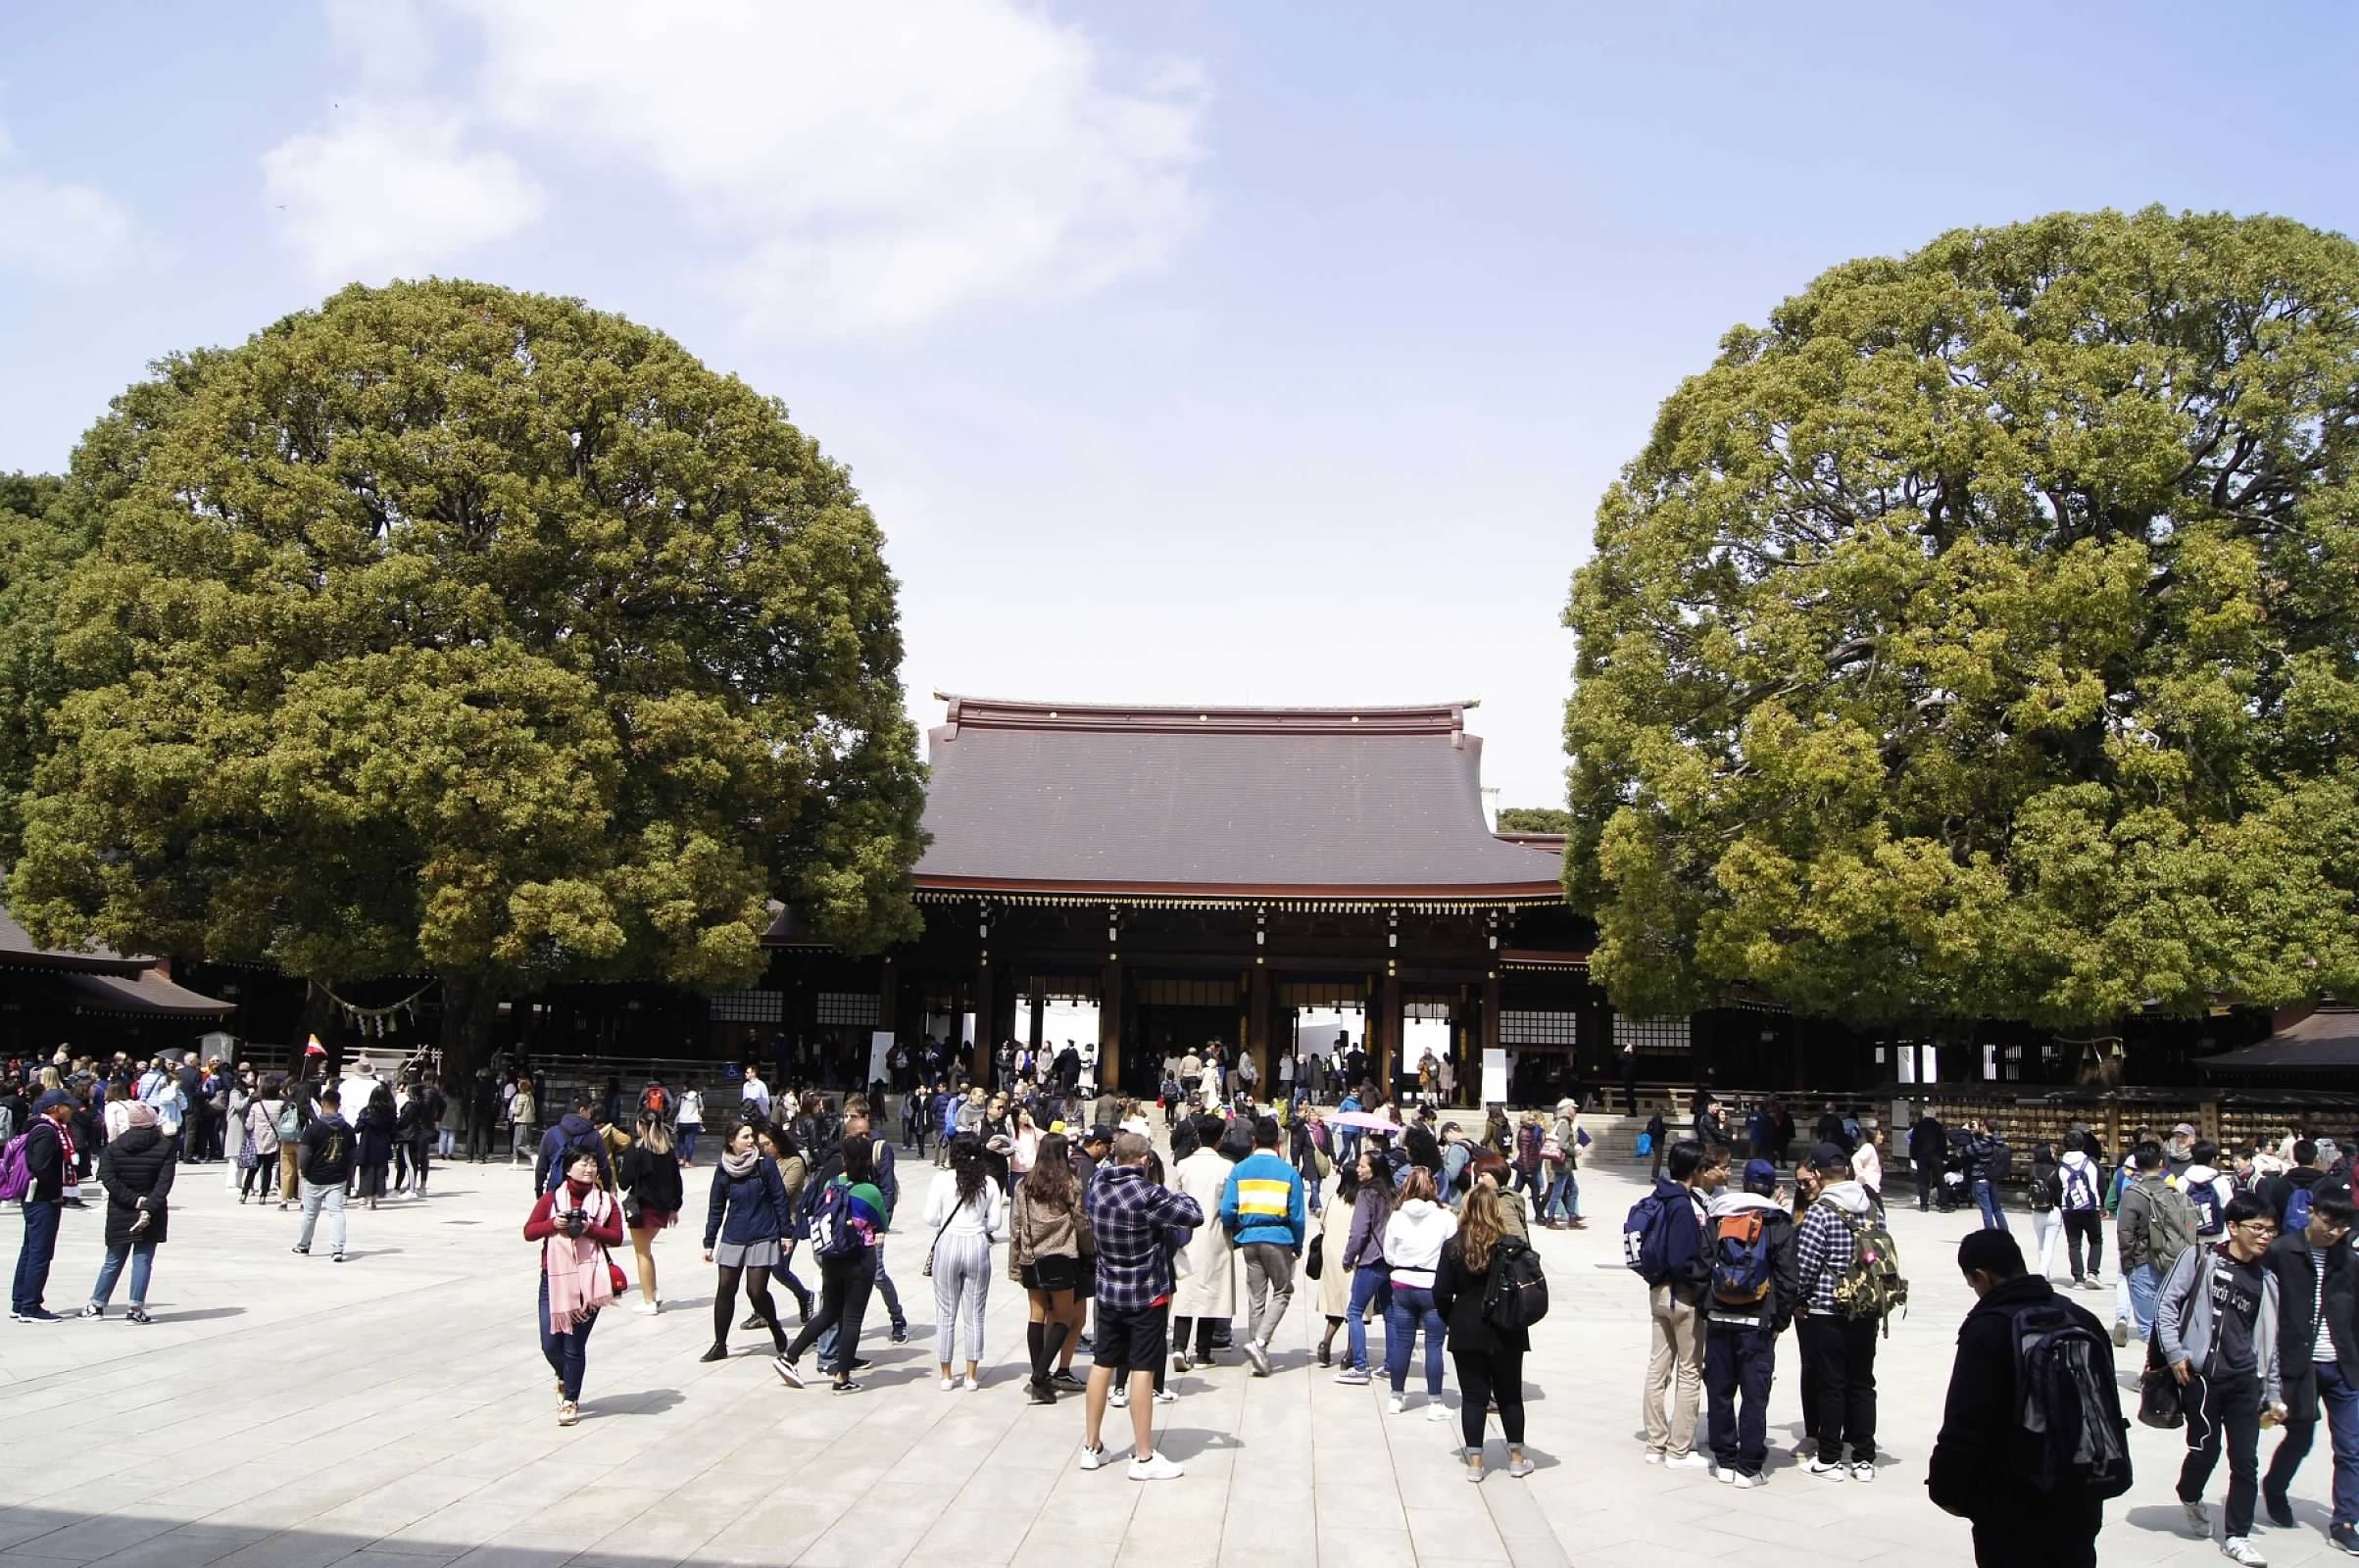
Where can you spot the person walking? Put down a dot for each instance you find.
(2043, 1196)
(2155, 1225)
(1985, 1162)
(523, 1120)
(2082, 1207)
(779, 1147)
(1977, 1470)
(1207, 1297)
(1928, 1151)
(1413, 1238)
(849, 1217)
(575, 1222)
(649, 1177)
(1673, 1263)
(1487, 1357)
(688, 1123)
(1134, 1221)
(744, 1216)
(962, 1215)
(1839, 1349)
(49, 1154)
(2317, 1356)
(1756, 1277)
(1562, 1211)
(1334, 1277)
(1264, 1211)
(2216, 1325)
(1362, 1261)
(261, 1132)
(136, 1170)
(324, 1160)
(1049, 1245)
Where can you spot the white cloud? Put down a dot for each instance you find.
(63, 231)
(874, 167)
(387, 188)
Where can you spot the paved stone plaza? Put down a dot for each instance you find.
(395, 1411)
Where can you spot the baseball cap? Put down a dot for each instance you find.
(1099, 1135)
(1760, 1170)
(2187, 1128)
(54, 1097)
(1829, 1157)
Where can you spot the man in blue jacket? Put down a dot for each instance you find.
(575, 1132)
(1674, 1309)
(1263, 1209)
(45, 1166)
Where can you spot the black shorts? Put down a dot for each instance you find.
(1133, 1342)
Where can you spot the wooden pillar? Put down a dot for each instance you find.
(1110, 1023)
(1256, 1018)
(1037, 1001)
(985, 1044)
(1490, 1035)
(888, 995)
(1387, 1004)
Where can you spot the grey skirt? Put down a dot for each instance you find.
(752, 1255)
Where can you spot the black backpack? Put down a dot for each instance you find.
(1517, 1296)
(2074, 1441)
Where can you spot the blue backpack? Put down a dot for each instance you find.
(832, 1235)
(1646, 1240)
(2297, 1211)
(1741, 1259)
(2205, 1198)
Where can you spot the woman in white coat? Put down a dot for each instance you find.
(1208, 1288)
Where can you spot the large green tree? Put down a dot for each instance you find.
(1980, 637)
(42, 536)
(450, 629)
(1535, 819)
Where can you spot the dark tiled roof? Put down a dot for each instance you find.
(1055, 798)
(145, 994)
(18, 950)
(2327, 1041)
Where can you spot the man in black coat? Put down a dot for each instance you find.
(2318, 1355)
(1973, 1473)
(1927, 1148)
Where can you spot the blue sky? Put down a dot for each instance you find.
(1189, 352)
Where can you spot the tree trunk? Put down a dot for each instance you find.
(470, 1004)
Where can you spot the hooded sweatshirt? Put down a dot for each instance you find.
(1774, 1310)
(573, 1131)
(2083, 1188)
(1823, 1249)
(1412, 1242)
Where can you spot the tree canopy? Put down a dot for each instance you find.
(450, 629)
(1980, 637)
(42, 536)
(1535, 819)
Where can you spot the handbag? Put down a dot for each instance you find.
(1645, 1145)
(1315, 1262)
(2161, 1401)
(928, 1270)
(1550, 1148)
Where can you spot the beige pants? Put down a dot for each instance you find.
(287, 1153)
(1676, 1333)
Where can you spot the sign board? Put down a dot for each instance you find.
(880, 1054)
(1495, 1076)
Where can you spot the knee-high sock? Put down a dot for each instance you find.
(1054, 1343)
(1036, 1341)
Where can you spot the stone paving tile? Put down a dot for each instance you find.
(395, 1413)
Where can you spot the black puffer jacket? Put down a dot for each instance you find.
(138, 1164)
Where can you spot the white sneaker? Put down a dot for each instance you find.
(1399, 1404)
(1436, 1410)
(1830, 1469)
(1743, 1481)
(1155, 1467)
(948, 1384)
(1258, 1355)
(1863, 1470)
(2237, 1549)
(1096, 1459)
(1165, 1397)
(1120, 1398)
(1690, 1461)
(2198, 1517)
(1655, 1456)
(1179, 1362)
(648, 1308)
(974, 1385)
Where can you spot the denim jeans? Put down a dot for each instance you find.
(567, 1354)
(142, 1255)
(1411, 1309)
(315, 1198)
(684, 1139)
(1737, 1365)
(2341, 1401)
(32, 1258)
(2146, 1284)
(1564, 1197)
(1986, 1198)
(1366, 1281)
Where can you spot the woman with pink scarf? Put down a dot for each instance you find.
(574, 1223)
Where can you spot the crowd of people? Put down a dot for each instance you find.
(2234, 1265)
